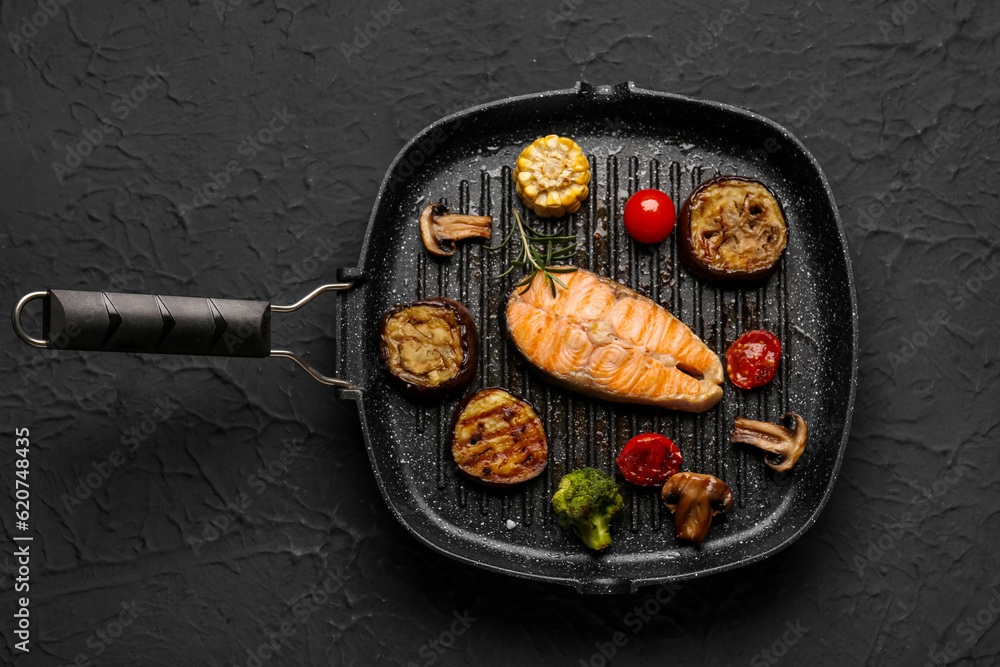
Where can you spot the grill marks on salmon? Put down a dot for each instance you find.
(604, 339)
(555, 342)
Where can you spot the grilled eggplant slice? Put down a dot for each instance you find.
(732, 231)
(498, 438)
(430, 347)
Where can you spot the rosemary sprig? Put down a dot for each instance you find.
(533, 260)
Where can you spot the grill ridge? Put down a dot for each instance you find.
(582, 431)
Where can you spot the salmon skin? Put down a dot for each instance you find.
(603, 339)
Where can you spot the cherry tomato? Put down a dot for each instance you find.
(649, 216)
(753, 359)
(649, 459)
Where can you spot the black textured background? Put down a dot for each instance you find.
(898, 101)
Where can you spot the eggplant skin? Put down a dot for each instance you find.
(498, 439)
(469, 337)
(695, 264)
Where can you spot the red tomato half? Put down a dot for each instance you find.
(753, 359)
(649, 459)
(649, 216)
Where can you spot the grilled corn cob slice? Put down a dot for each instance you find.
(552, 176)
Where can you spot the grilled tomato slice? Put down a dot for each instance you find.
(732, 230)
(753, 358)
(430, 347)
(498, 438)
(649, 459)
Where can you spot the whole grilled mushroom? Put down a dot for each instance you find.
(694, 499)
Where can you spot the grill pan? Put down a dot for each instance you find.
(634, 139)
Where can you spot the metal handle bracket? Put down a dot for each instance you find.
(325, 379)
(15, 319)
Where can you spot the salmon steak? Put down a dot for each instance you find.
(598, 337)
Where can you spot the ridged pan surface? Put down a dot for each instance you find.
(635, 139)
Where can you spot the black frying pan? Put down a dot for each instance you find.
(635, 139)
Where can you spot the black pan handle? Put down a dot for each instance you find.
(116, 322)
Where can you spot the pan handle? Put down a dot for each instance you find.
(116, 322)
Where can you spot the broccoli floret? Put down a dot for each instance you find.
(586, 500)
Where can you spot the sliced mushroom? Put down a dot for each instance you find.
(695, 499)
(440, 229)
(783, 447)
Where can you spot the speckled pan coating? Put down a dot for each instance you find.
(634, 139)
